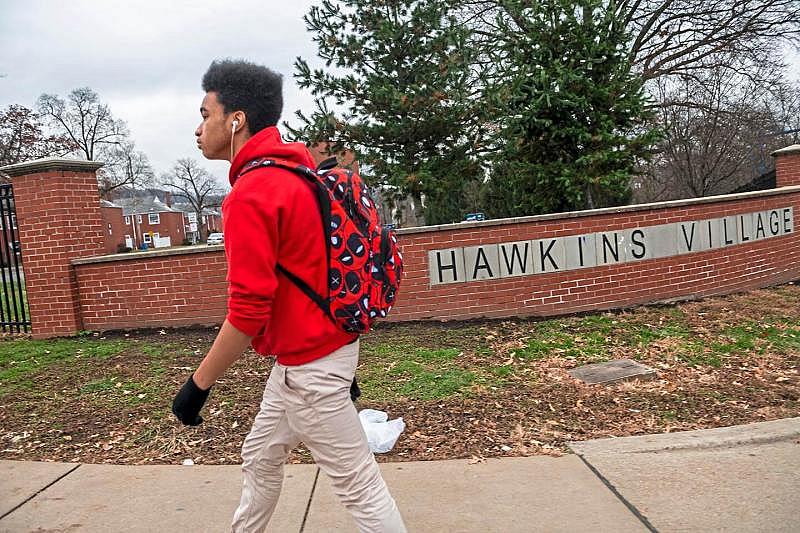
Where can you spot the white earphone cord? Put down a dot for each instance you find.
(233, 132)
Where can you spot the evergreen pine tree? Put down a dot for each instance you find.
(398, 90)
(570, 113)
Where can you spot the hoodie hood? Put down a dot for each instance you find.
(268, 143)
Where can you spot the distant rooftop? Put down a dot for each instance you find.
(142, 206)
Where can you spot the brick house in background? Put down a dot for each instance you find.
(210, 221)
(213, 220)
(114, 229)
(151, 222)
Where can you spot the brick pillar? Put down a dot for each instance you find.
(58, 219)
(787, 166)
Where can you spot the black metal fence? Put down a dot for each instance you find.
(14, 316)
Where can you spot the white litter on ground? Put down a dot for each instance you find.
(382, 433)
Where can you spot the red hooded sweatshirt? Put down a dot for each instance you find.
(272, 216)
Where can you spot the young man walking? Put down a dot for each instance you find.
(271, 216)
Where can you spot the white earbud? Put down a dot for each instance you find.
(233, 134)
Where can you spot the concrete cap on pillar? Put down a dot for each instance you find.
(51, 164)
(793, 149)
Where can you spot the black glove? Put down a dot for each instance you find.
(188, 402)
(355, 392)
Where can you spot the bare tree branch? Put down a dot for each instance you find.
(125, 167)
(673, 35)
(95, 134)
(194, 183)
(720, 132)
(88, 122)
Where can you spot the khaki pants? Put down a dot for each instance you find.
(311, 403)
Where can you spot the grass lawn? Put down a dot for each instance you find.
(466, 389)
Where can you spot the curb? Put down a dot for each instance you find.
(756, 433)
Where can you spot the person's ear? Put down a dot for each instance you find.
(238, 121)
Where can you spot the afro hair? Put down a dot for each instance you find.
(244, 86)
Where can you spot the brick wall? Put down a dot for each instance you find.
(153, 289)
(182, 287)
(736, 268)
(58, 218)
(72, 286)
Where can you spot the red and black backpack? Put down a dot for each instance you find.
(364, 263)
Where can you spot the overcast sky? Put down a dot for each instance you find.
(146, 58)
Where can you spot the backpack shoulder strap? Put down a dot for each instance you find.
(325, 210)
(307, 290)
(263, 162)
(324, 166)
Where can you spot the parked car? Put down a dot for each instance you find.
(215, 238)
(474, 217)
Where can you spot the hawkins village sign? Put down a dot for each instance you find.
(559, 254)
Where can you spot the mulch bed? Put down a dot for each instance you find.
(535, 410)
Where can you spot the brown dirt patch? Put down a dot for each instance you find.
(494, 388)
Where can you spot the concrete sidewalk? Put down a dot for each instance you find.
(744, 478)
